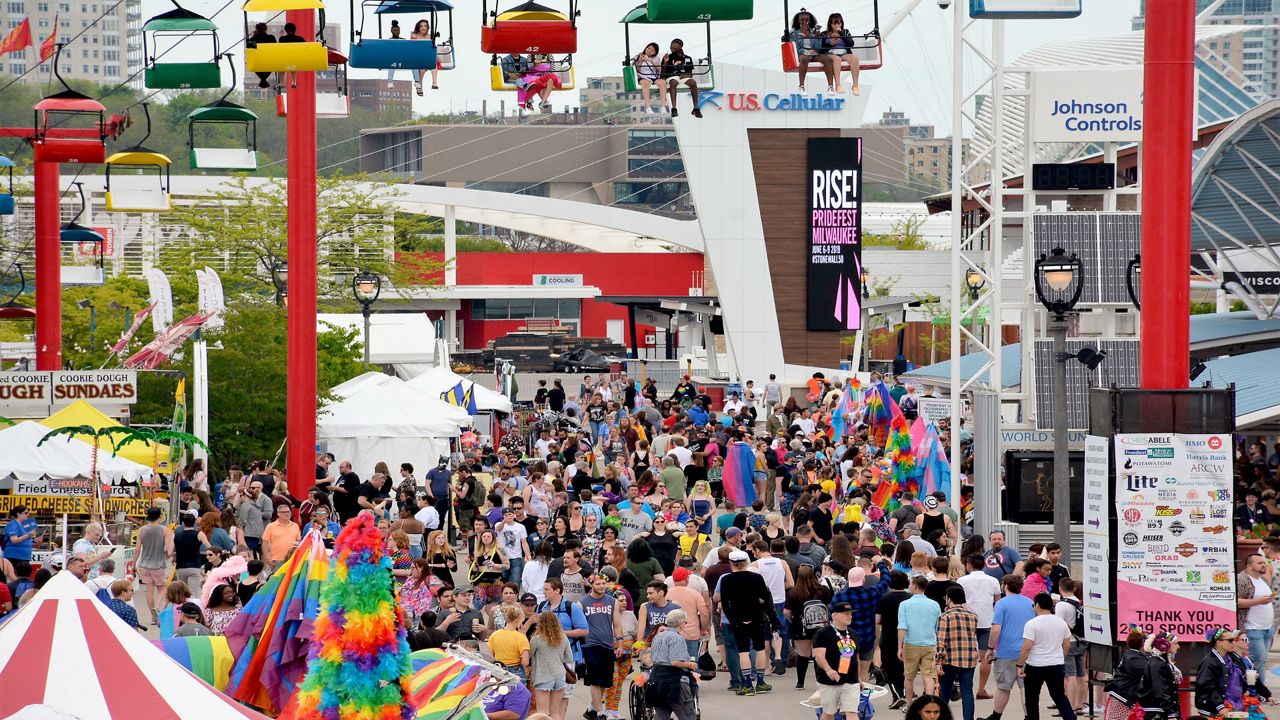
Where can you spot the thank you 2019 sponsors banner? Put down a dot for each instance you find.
(834, 261)
(1175, 544)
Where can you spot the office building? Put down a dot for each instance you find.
(1252, 58)
(107, 39)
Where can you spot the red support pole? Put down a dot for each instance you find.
(1167, 122)
(48, 206)
(301, 393)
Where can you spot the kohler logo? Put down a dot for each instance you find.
(1134, 483)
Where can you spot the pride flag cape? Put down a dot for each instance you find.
(270, 637)
(847, 411)
(168, 619)
(881, 411)
(739, 474)
(446, 687)
(933, 470)
(208, 657)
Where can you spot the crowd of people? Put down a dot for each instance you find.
(579, 549)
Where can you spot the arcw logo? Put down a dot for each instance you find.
(710, 97)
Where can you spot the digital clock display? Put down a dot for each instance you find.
(1071, 176)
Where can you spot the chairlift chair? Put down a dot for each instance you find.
(306, 56)
(179, 25)
(703, 70)
(1025, 9)
(868, 47)
(66, 111)
(219, 114)
(77, 235)
(691, 11)
(529, 29)
(386, 53)
(332, 101)
(7, 204)
(562, 67)
(130, 195)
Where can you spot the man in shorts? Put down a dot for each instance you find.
(918, 638)
(747, 605)
(1007, 623)
(835, 650)
(155, 542)
(604, 629)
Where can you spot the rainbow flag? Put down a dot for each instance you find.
(933, 470)
(881, 411)
(739, 474)
(846, 414)
(207, 657)
(271, 636)
(445, 687)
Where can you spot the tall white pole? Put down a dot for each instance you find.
(957, 241)
(200, 397)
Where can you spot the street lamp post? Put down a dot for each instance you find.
(366, 287)
(1059, 280)
(280, 279)
(87, 304)
(115, 305)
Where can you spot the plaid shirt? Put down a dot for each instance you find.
(958, 638)
(863, 600)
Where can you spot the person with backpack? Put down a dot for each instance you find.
(806, 611)
(863, 593)
(1072, 613)
(572, 620)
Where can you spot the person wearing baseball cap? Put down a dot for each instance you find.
(697, 628)
(733, 537)
(747, 606)
(1212, 676)
(835, 652)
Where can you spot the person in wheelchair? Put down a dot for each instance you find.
(671, 689)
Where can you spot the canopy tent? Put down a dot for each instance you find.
(441, 379)
(66, 650)
(393, 337)
(82, 413)
(24, 458)
(385, 422)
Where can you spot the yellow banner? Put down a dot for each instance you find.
(57, 505)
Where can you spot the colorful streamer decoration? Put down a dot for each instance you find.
(271, 636)
(903, 460)
(739, 474)
(207, 657)
(359, 666)
(445, 687)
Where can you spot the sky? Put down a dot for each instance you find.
(916, 76)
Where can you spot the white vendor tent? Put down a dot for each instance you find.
(394, 338)
(440, 379)
(22, 457)
(426, 402)
(388, 423)
(68, 652)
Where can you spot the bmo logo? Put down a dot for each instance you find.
(1215, 443)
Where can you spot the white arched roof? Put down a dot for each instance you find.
(599, 228)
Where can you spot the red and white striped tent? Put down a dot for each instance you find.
(67, 651)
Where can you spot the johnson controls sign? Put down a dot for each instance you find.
(1101, 105)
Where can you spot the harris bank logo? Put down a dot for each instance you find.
(769, 102)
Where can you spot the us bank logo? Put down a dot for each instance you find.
(769, 102)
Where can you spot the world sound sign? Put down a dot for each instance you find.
(834, 262)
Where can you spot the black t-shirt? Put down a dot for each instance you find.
(629, 396)
(829, 641)
(887, 609)
(1055, 575)
(268, 483)
(820, 519)
(665, 548)
(370, 493)
(936, 591)
(350, 482)
(744, 597)
(596, 412)
(540, 397)
(555, 399)
(581, 481)
(186, 548)
(246, 591)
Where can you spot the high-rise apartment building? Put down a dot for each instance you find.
(104, 39)
(1251, 58)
